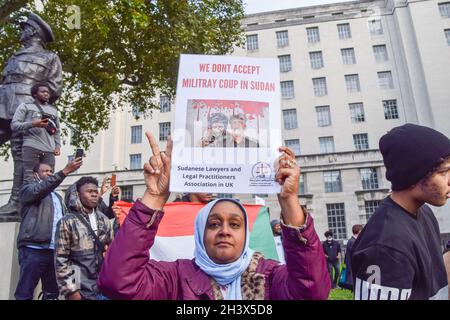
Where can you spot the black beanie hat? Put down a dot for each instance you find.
(410, 152)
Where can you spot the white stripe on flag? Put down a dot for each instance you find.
(172, 248)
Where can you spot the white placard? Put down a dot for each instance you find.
(227, 125)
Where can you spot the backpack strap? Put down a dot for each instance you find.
(98, 244)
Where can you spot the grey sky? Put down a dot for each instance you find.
(255, 6)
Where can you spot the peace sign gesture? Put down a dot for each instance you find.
(157, 174)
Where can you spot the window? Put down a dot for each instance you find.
(370, 207)
(260, 195)
(447, 36)
(136, 134)
(290, 119)
(225, 196)
(385, 80)
(357, 112)
(135, 111)
(127, 192)
(320, 87)
(285, 63)
(348, 56)
(164, 131)
(390, 109)
(313, 34)
(361, 141)
(73, 135)
(369, 178)
(375, 27)
(302, 184)
(352, 82)
(282, 39)
(287, 89)
(332, 181)
(135, 161)
(316, 59)
(344, 31)
(326, 144)
(294, 144)
(323, 116)
(164, 104)
(252, 42)
(380, 53)
(444, 9)
(336, 220)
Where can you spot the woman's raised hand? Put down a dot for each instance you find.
(157, 174)
(288, 176)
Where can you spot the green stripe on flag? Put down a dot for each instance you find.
(261, 237)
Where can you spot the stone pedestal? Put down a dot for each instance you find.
(9, 263)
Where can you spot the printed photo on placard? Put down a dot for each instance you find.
(227, 123)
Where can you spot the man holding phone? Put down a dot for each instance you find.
(39, 124)
(42, 208)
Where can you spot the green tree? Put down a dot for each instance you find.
(124, 51)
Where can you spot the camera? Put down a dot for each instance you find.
(51, 126)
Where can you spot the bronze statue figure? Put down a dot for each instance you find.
(29, 65)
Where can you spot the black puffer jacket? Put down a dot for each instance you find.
(38, 211)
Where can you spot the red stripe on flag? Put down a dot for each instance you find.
(179, 218)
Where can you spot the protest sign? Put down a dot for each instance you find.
(227, 125)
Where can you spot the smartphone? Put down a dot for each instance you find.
(79, 153)
(113, 180)
(45, 116)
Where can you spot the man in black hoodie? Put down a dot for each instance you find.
(398, 255)
(41, 210)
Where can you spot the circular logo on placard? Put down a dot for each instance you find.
(261, 170)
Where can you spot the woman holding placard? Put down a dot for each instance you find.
(224, 266)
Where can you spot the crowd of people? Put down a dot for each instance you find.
(61, 242)
(78, 249)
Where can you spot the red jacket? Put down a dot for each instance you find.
(128, 273)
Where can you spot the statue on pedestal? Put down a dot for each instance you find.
(28, 66)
